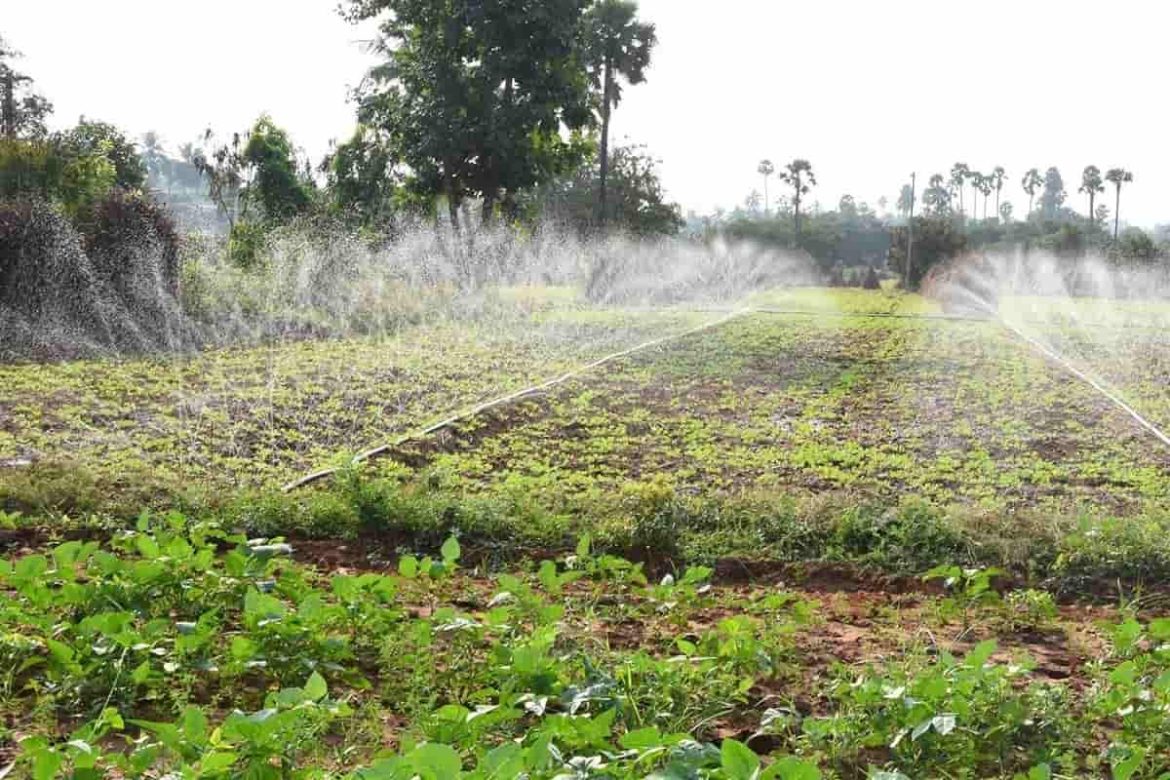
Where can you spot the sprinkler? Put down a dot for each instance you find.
(540, 387)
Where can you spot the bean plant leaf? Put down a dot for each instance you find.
(450, 550)
(739, 762)
(316, 688)
(436, 762)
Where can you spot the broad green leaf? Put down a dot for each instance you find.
(1125, 767)
(738, 760)
(503, 763)
(548, 578)
(980, 654)
(45, 764)
(641, 739)
(217, 761)
(408, 566)
(791, 768)
(1040, 772)
(436, 762)
(194, 724)
(450, 550)
(316, 688)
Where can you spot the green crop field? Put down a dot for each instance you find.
(839, 534)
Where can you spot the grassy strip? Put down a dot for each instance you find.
(1091, 556)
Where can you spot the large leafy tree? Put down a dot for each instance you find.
(473, 95)
(1117, 176)
(22, 110)
(102, 138)
(277, 187)
(616, 44)
(638, 203)
(1052, 198)
(363, 177)
(1091, 184)
(798, 175)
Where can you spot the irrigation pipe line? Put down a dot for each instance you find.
(515, 396)
(1059, 359)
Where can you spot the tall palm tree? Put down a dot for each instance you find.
(1118, 176)
(616, 44)
(960, 172)
(979, 187)
(998, 174)
(1032, 183)
(766, 169)
(1091, 184)
(799, 175)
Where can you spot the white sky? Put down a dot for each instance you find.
(865, 89)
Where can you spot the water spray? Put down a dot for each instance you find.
(1055, 356)
(526, 392)
(970, 287)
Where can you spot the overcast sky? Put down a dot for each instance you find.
(867, 90)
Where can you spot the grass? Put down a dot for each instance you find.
(793, 546)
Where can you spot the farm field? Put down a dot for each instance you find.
(837, 535)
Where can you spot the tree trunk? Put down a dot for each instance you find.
(1117, 213)
(1092, 196)
(603, 195)
(452, 202)
(488, 212)
(796, 217)
(766, 203)
(9, 106)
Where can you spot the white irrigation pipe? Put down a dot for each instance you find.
(515, 396)
(1055, 356)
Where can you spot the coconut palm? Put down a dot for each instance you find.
(1091, 184)
(766, 169)
(1118, 176)
(616, 44)
(960, 172)
(1032, 182)
(799, 175)
(998, 175)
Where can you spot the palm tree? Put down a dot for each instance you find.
(959, 175)
(1032, 183)
(799, 175)
(937, 198)
(998, 174)
(766, 169)
(616, 44)
(1118, 176)
(1091, 184)
(980, 184)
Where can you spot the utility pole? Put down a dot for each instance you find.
(910, 233)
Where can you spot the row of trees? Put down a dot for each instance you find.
(507, 105)
(944, 195)
(855, 236)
